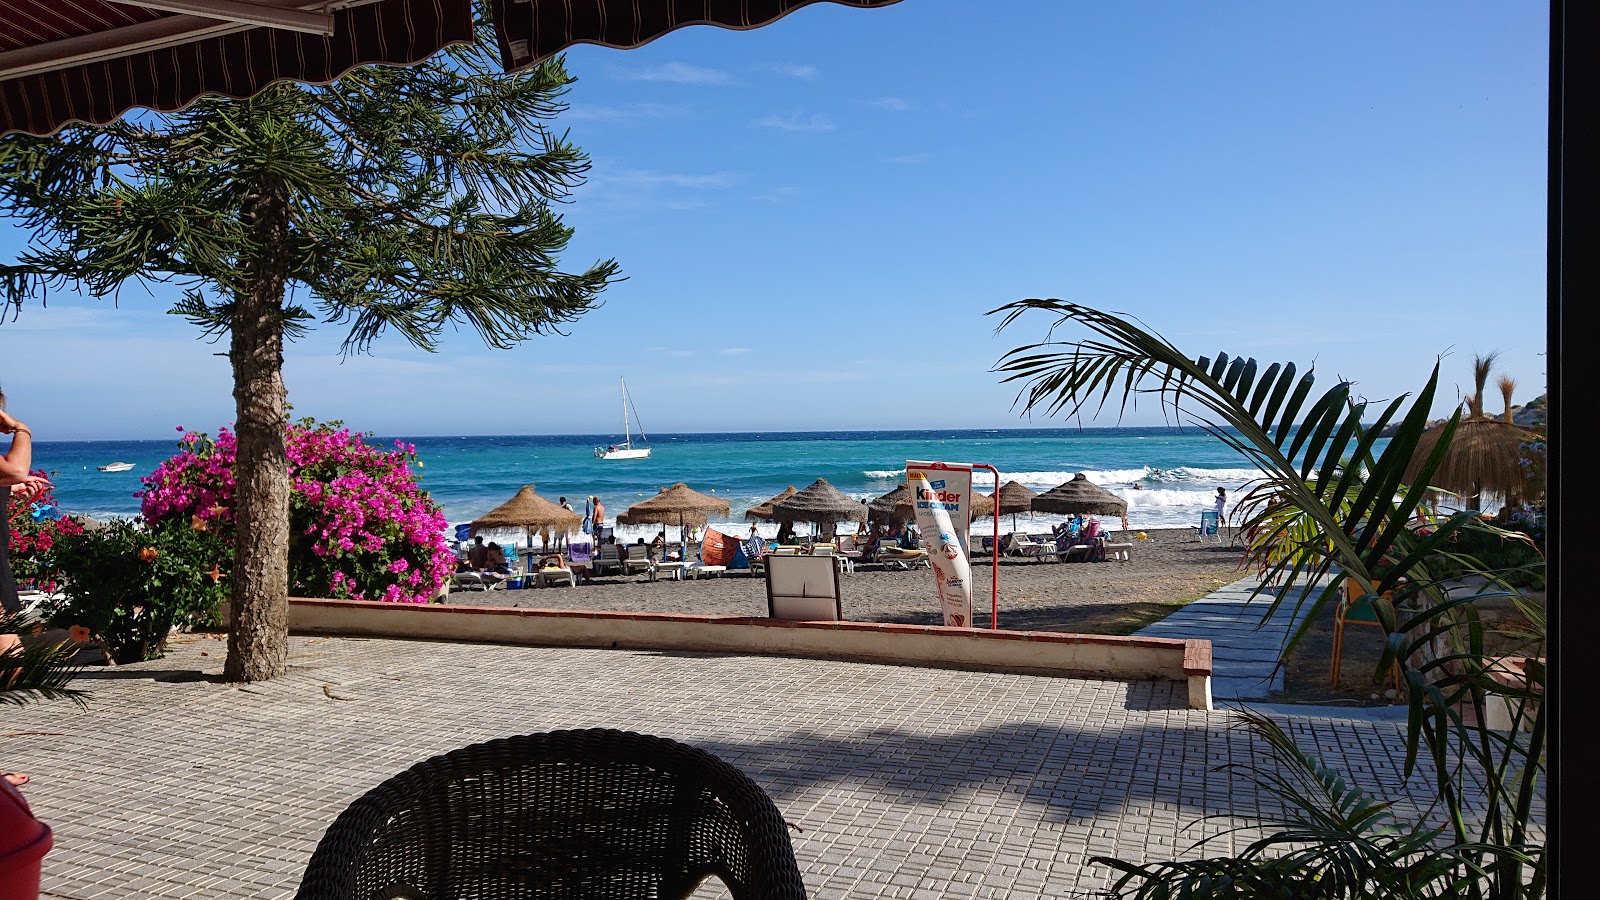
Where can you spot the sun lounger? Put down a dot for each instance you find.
(637, 560)
(553, 570)
(903, 559)
(467, 581)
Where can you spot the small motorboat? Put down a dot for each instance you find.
(116, 467)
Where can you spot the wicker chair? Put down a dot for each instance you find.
(592, 813)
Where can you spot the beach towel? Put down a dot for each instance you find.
(754, 548)
(716, 548)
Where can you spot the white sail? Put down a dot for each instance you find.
(626, 449)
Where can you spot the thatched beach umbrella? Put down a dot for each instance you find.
(1485, 455)
(762, 512)
(894, 506)
(982, 505)
(1080, 496)
(678, 504)
(530, 512)
(1015, 499)
(821, 504)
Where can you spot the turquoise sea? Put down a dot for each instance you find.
(1167, 475)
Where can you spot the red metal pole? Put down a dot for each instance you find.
(994, 580)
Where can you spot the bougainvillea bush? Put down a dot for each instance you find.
(33, 540)
(360, 528)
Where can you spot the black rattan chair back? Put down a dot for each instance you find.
(592, 813)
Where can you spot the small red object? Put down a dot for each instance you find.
(24, 841)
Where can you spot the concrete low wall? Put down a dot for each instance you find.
(1026, 652)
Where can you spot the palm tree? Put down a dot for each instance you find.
(1333, 507)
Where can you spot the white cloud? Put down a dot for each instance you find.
(805, 72)
(680, 73)
(734, 351)
(778, 194)
(909, 159)
(815, 123)
(614, 187)
(628, 113)
(892, 104)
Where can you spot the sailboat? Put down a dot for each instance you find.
(626, 449)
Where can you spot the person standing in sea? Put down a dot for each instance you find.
(17, 478)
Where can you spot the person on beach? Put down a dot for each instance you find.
(786, 533)
(599, 515)
(477, 555)
(495, 560)
(561, 536)
(1221, 506)
(17, 478)
(658, 546)
(1096, 539)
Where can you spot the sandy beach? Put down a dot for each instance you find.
(1169, 568)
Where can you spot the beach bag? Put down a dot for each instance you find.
(581, 553)
(716, 548)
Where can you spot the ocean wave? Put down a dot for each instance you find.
(884, 474)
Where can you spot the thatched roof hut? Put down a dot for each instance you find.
(762, 512)
(1016, 497)
(676, 505)
(894, 506)
(982, 505)
(531, 512)
(1485, 455)
(1080, 496)
(820, 503)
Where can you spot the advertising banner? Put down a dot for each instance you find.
(941, 495)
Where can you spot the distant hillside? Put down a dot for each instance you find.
(1529, 415)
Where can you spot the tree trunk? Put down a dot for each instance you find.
(258, 635)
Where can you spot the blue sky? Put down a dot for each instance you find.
(815, 216)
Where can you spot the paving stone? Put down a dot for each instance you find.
(907, 782)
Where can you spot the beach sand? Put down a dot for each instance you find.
(1170, 568)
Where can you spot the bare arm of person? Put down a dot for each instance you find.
(18, 460)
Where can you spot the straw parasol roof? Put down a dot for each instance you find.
(762, 512)
(894, 506)
(1485, 454)
(1016, 497)
(1080, 496)
(820, 503)
(529, 511)
(982, 505)
(675, 505)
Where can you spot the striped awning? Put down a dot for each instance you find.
(63, 61)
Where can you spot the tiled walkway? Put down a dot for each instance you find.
(905, 783)
(1244, 653)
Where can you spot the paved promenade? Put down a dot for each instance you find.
(904, 782)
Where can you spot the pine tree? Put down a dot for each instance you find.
(394, 198)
